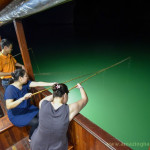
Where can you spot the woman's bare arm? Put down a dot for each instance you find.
(76, 107)
(10, 103)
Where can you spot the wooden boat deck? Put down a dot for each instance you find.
(21, 145)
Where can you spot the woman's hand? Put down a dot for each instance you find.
(53, 83)
(27, 96)
(78, 86)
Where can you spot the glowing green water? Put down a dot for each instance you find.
(119, 98)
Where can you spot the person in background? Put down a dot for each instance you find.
(54, 118)
(7, 63)
(20, 112)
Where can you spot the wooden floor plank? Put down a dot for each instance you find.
(24, 145)
(21, 145)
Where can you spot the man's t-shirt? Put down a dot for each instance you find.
(7, 64)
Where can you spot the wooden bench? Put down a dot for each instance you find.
(5, 124)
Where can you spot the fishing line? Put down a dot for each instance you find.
(35, 60)
(30, 49)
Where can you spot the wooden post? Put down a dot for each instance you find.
(23, 47)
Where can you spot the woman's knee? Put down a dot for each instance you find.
(34, 122)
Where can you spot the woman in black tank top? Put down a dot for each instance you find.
(54, 118)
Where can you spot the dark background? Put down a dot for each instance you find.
(94, 20)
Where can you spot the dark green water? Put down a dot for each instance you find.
(119, 98)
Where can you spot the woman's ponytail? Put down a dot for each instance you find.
(59, 90)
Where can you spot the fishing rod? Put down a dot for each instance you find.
(100, 71)
(20, 53)
(63, 82)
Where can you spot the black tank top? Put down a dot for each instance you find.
(51, 133)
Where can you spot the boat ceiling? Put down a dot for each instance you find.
(13, 9)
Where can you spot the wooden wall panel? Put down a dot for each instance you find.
(85, 134)
(82, 139)
(11, 136)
